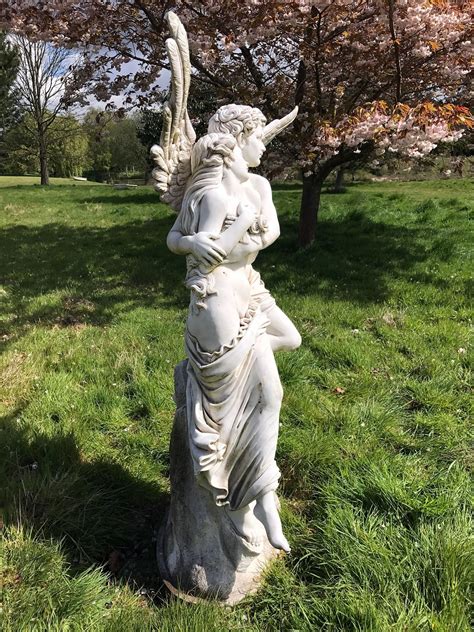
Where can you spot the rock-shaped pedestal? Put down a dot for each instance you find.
(200, 552)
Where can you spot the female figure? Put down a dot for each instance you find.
(233, 391)
(248, 126)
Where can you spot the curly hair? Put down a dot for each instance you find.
(236, 119)
(209, 156)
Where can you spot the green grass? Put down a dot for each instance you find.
(375, 442)
(10, 181)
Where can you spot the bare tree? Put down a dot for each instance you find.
(43, 72)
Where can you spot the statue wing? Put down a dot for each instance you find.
(277, 126)
(173, 155)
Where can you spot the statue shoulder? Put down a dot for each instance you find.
(214, 205)
(216, 195)
(261, 184)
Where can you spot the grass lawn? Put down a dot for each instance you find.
(375, 439)
(10, 181)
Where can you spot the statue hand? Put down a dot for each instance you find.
(247, 213)
(229, 220)
(205, 249)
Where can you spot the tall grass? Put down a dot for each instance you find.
(375, 440)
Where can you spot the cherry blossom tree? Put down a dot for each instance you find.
(370, 77)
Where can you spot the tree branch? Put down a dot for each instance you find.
(396, 51)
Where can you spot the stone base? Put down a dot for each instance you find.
(200, 554)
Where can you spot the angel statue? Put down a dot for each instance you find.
(233, 392)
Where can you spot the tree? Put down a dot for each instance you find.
(127, 152)
(370, 76)
(114, 143)
(9, 107)
(67, 147)
(41, 79)
(66, 150)
(19, 157)
(96, 125)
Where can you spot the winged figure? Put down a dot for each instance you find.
(173, 155)
(225, 217)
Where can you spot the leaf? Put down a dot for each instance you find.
(434, 45)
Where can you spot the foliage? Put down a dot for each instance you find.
(150, 122)
(20, 155)
(374, 446)
(345, 64)
(128, 153)
(114, 144)
(9, 106)
(66, 150)
(9, 62)
(96, 125)
(68, 147)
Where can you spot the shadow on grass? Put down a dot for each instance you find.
(354, 259)
(101, 272)
(145, 197)
(107, 271)
(100, 513)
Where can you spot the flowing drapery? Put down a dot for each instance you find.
(233, 427)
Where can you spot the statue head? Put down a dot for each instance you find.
(246, 124)
(210, 156)
(214, 150)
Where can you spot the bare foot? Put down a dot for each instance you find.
(267, 512)
(246, 525)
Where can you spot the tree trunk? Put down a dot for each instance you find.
(310, 199)
(339, 184)
(43, 156)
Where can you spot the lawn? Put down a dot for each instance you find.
(375, 442)
(10, 181)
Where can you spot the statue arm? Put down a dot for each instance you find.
(209, 245)
(202, 245)
(213, 211)
(177, 242)
(268, 211)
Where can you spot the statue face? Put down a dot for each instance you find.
(252, 147)
(239, 165)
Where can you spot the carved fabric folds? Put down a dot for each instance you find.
(228, 420)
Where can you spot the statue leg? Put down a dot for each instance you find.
(282, 333)
(266, 511)
(266, 507)
(247, 525)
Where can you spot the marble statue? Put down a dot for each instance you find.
(224, 523)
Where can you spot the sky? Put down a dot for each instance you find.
(118, 100)
(131, 67)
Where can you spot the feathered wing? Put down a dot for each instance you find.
(173, 155)
(278, 125)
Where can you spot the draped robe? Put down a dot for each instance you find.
(233, 399)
